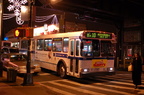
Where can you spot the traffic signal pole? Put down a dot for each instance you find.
(28, 77)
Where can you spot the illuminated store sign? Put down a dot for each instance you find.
(45, 30)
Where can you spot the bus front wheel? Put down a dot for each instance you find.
(62, 71)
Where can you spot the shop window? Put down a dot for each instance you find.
(129, 51)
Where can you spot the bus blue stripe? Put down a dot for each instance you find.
(46, 62)
(80, 58)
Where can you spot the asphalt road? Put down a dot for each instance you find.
(48, 83)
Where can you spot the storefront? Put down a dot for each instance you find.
(132, 40)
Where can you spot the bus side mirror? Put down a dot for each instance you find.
(82, 45)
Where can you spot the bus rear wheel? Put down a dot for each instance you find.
(62, 71)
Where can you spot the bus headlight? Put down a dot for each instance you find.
(111, 69)
(85, 70)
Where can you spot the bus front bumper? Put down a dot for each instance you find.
(82, 75)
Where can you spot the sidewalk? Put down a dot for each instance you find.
(7, 88)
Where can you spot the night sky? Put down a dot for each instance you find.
(84, 7)
(11, 23)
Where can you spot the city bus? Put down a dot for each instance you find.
(78, 54)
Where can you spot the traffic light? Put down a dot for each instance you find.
(19, 32)
(23, 32)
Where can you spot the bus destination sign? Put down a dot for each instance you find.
(98, 35)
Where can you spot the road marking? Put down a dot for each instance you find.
(57, 90)
(78, 89)
(113, 86)
(43, 74)
(117, 82)
(115, 79)
(98, 87)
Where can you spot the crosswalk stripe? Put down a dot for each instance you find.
(122, 85)
(43, 74)
(57, 90)
(114, 86)
(78, 89)
(116, 79)
(98, 87)
(118, 82)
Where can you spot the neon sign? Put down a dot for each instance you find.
(98, 35)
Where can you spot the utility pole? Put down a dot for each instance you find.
(28, 77)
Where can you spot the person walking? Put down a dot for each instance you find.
(137, 70)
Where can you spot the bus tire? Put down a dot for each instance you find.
(62, 71)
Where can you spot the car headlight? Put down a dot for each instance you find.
(37, 65)
(12, 56)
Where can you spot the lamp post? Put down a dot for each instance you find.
(28, 77)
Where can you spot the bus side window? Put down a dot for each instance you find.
(40, 44)
(47, 44)
(77, 48)
(54, 48)
(72, 47)
(65, 44)
(57, 44)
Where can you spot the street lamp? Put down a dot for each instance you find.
(55, 1)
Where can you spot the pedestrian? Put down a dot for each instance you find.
(137, 70)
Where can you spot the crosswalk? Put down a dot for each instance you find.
(120, 84)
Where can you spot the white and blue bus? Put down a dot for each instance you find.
(79, 54)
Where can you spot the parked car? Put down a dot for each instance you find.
(6, 50)
(18, 61)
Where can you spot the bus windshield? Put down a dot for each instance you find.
(96, 48)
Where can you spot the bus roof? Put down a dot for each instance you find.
(66, 34)
(77, 34)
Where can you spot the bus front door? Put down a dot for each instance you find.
(74, 53)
